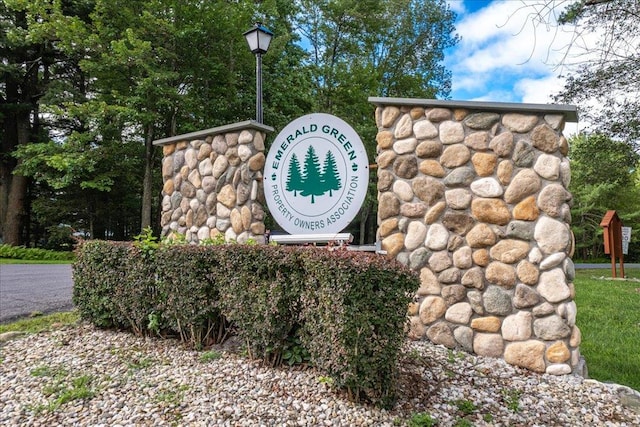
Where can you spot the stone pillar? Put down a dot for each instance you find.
(474, 197)
(213, 183)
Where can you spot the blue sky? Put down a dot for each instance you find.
(503, 56)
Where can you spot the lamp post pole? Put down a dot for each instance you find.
(259, 117)
(258, 38)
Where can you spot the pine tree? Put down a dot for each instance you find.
(311, 180)
(330, 176)
(294, 179)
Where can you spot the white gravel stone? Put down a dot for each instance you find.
(147, 381)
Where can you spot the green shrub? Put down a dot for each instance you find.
(262, 297)
(343, 311)
(354, 315)
(20, 252)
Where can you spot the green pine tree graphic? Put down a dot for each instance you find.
(330, 177)
(311, 182)
(294, 178)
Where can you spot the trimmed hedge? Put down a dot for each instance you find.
(346, 309)
(20, 252)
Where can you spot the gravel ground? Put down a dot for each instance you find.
(84, 376)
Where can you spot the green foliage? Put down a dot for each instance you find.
(512, 399)
(465, 406)
(604, 176)
(208, 356)
(42, 323)
(20, 252)
(341, 311)
(352, 313)
(422, 419)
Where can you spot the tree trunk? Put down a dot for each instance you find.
(147, 186)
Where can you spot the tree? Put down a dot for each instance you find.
(294, 179)
(330, 176)
(311, 178)
(603, 75)
(603, 177)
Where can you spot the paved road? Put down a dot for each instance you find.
(29, 288)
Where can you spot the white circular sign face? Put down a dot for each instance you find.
(316, 175)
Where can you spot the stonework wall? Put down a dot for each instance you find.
(476, 201)
(213, 183)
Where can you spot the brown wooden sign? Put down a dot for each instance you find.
(612, 234)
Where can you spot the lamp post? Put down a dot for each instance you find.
(258, 39)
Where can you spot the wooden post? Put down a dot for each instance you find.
(612, 233)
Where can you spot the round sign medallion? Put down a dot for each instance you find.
(316, 175)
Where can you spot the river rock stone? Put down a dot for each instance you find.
(389, 116)
(490, 345)
(481, 257)
(231, 138)
(385, 180)
(484, 163)
(388, 205)
(384, 139)
(553, 286)
(517, 327)
(552, 260)
(501, 274)
(403, 190)
(434, 212)
(451, 132)
(256, 162)
(404, 127)
(413, 210)
(455, 155)
(388, 226)
(502, 144)
(527, 354)
(440, 261)
(480, 236)
(406, 167)
(458, 198)
(462, 257)
(509, 251)
(522, 230)
(543, 310)
(458, 222)
(487, 187)
(464, 337)
(480, 121)
(386, 159)
(565, 173)
(219, 144)
(505, 171)
(187, 189)
(525, 296)
(519, 123)
(437, 237)
(477, 141)
(548, 167)
(453, 294)
(523, 155)
(551, 328)
(416, 233)
(551, 199)
(545, 139)
(393, 244)
(432, 168)
(526, 210)
(424, 129)
(459, 313)
(429, 149)
(473, 278)
(486, 324)
(459, 177)
(450, 275)
(441, 333)
(557, 352)
(418, 258)
(525, 183)
(227, 196)
(432, 308)
(552, 235)
(576, 337)
(497, 301)
(475, 299)
(405, 146)
(429, 284)
(427, 189)
(492, 211)
(527, 273)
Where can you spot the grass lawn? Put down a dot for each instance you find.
(609, 319)
(42, 323)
